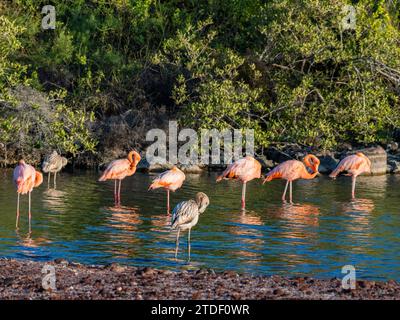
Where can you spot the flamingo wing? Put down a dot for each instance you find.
(248, 169)
(183, 213)
(38, 179)
(241, 169)
(229, 172)
(289, 170)
(254, 170)
(172, 179)
(117, 169)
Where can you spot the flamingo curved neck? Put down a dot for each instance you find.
(133, 158)
(308, 175)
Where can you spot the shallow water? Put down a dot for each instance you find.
(323, 231)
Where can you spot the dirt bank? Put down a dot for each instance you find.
(23, 280)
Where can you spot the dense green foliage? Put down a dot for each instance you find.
(288, 69)
(29, 119)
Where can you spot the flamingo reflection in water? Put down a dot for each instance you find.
(359, 210)
(161, 223)
(249, 235)
(29, 242)
(300, 224)
(297, 219)
(54, 199)
(126, 220)
(33, 247)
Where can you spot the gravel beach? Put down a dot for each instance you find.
(21, 279)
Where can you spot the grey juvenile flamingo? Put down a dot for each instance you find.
(186, 215)
(53, 163)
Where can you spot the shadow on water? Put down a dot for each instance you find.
(320, 233)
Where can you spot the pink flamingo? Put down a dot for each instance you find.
(245, 170)
(291, 170)
(169, 180)
(355, 165)
(26, 178)
(118, 170)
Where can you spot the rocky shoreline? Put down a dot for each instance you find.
(22, 279)
(385, 159)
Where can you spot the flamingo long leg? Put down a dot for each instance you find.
(55, 183)
(244, 196)
(353, 186)
(29, 212)
(284, 192)
(16, 224)
(115, 191)
(48, 180)
(290, 191)
(177, 243)
(167, 201)
(119, 191)
(189, 245)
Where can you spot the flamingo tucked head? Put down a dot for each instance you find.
(134, 158)
(369, 164)
(202, 201)
(312, 162)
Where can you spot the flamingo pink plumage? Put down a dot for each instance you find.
(292, 170)
(170, 180)
(355, 165)
(26, 178)
(118, 170)
(245, 170)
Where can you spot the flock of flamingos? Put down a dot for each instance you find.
(186, 213)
